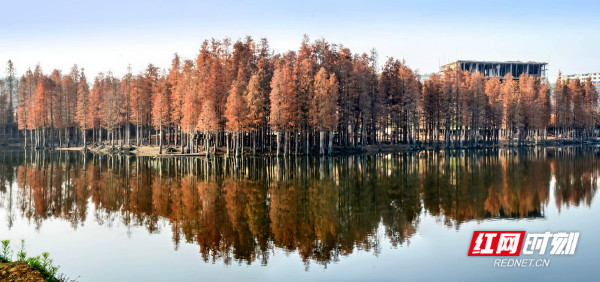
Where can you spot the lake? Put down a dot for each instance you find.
(400, 217)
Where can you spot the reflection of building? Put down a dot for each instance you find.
(499, 69)
(583, 76)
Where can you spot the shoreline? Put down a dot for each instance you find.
(175, 151)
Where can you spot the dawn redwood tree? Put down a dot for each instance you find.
(83, 116)
(39, 110)
(331, 108)
(242, 62)
(187, 96)
(364, 86)
(304, 72)
(236, 113)
(112, 107)
(591, 100)
(348, 99)
(477, 107)
(508, 92)
(578, 115)
(196, 92)
(11, 87)
(208, 123)
(175, 101)
(57, 112)
(256, 101)
(161, 109)
(448, 106)
(544, 109)
(465, 104)
(563, 102)
(496, 108)
(209, 120)
(276, 115)
(126, 89)
(69, 88)
(25, 93)
(143, 86)
(389, 87)
(96, 102)
(264, 69)
(323, 109)
(150, 88)
(292, 103)
(527, 104)
(410, 91)
(432, 102)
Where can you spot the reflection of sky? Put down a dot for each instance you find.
(435, 253)
(107, 35)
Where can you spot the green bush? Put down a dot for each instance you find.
(6, 252)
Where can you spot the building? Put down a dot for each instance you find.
(499, 69)
(583, 76)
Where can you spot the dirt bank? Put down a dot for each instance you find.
(140, 151)
(19, 272)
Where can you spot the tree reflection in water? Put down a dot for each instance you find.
(240, 210)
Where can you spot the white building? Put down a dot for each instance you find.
(583, 76)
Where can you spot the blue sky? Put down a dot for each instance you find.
(109, 35)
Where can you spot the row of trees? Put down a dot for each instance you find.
(243, 95)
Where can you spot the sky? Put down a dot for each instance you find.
(107, 36)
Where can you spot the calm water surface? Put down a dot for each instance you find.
(382, 217)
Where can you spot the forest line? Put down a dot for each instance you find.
(316, 100)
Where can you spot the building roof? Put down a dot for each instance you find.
(498, 62)
(494, 62)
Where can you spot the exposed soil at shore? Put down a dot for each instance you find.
(140, 151)
(19, 272)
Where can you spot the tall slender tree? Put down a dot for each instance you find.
(323, 110)
(83, 116)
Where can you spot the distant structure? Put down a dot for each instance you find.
(583, 76)
(499, 69)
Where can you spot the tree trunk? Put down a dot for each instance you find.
(67, 139)
(208, 145)
(278, 141)
(296, 138)
(237, 144)
(287, 143)
(254, 136)
(307, 142)
(227, 142)
(84, 141)
(322, 142)
(331, 142)
(160, 142)
(363, 134)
